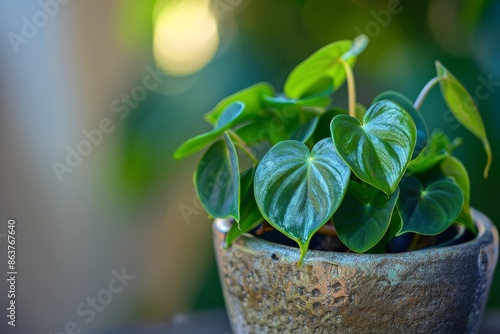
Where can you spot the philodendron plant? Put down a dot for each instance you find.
(291, 162)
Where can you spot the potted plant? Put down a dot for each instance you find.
(378, 207)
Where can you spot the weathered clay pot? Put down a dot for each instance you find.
(439, 290)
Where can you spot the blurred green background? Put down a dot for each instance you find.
(128, 203)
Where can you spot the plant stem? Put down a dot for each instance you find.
(351, 87)
(425, 91)
(241, 144)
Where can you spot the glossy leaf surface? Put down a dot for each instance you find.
(364, 216)
(403, 101)
(379, 149)
(217, 180)
(429, 210)
(298, 190)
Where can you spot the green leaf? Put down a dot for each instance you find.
(217, 180)
(227, 119)
(270, 129)
(428, 211)
(250, 216)
(297, 191)
(379, 150)
(464, 109)
(305, 131)
(364, 216)
(394, 227)
(246, 179)
(251, 97)
(406, 104)
(276, 127)
(323, 67)
(438, 149)
(452, 167)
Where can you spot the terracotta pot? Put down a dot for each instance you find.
(438, 290)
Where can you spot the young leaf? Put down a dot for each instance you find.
(452, 167)
(297, 191)
(379, 149)
(428, 211)
(217, 180)
(251, 97)
(403, 101)
(324, 63)
(462, 105)
(438, 149)
(250, 217)
(364, 216)
(227, 119)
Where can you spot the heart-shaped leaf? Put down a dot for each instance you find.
(364, 216)
(217, 180)
(438, 149)
(251, 97)
(227, 119)
(464, 109)
(428, 211)
(452, 167)
(323, 64)
(379, 150)
(297, 191)
(403, 101)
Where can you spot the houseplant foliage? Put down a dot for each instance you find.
(295, 164)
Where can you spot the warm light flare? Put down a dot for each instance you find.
(185, 37)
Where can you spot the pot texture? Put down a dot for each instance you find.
(440, 290)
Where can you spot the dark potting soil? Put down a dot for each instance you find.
(321, 242)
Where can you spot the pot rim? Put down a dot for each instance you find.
(487, 234)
